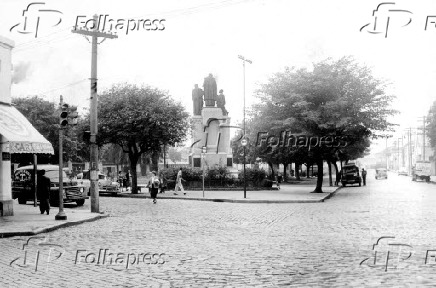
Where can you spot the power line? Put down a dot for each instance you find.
(62, 87)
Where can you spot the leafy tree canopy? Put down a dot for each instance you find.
(140, 120)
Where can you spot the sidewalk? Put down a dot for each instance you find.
(27, 220)
(289, 193)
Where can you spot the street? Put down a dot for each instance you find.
(208, 244)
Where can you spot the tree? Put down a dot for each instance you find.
(339, 98)
(140, 120)
(174, 154)
(44, 116)
(431, 125)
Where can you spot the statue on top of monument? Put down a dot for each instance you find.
(210, 91)
(197, 100)
(221, 102)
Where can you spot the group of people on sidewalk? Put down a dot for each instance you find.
(156, 182)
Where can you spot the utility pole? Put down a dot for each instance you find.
(94, 33)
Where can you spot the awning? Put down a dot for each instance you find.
(22, 136)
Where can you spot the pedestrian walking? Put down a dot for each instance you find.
(120, 180)
(179, 182)
(153, 186)
(364, 176)
(163, 183)
(279, 180)
(43, 192)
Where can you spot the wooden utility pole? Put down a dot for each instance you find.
(94, 33)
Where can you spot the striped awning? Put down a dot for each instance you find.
(20, 133)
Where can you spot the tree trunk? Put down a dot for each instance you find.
(133, 161)
(330, 173)
(307, 171)
(318, 188)
(270, 164)
(155, 161)
(337, 172)
(297, 171)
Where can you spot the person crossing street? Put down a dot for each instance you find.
(179, 183)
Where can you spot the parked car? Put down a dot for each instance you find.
(105, 185)
(350, 175)
(381, 173)
(22, 186)
(421, 171)
(403, 172)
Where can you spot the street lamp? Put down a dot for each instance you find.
(203, 151)
(243, 65)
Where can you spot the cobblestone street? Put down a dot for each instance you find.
(208, 244)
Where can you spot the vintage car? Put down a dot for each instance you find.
(403, 171)
(350, 175)
(381, 173)
(105, 185)
(22, 187)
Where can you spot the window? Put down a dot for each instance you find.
(197, 162)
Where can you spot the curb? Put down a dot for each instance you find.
(52, 228)
(328, 196)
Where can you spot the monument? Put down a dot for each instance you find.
(210, 127)
(197, 100)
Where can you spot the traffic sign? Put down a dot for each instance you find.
(244, 142)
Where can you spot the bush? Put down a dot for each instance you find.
(253, 174)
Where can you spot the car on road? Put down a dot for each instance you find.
(403, 172)
(350, 175)
(422, 171)
(22, 186)
(381, 173)
(105, 184)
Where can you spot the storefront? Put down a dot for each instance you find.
(17, 135)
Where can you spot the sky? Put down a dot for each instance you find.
(202, 37)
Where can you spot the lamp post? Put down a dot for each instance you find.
(243, 65)
(203, 151)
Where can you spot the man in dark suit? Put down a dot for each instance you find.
(43, 192)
